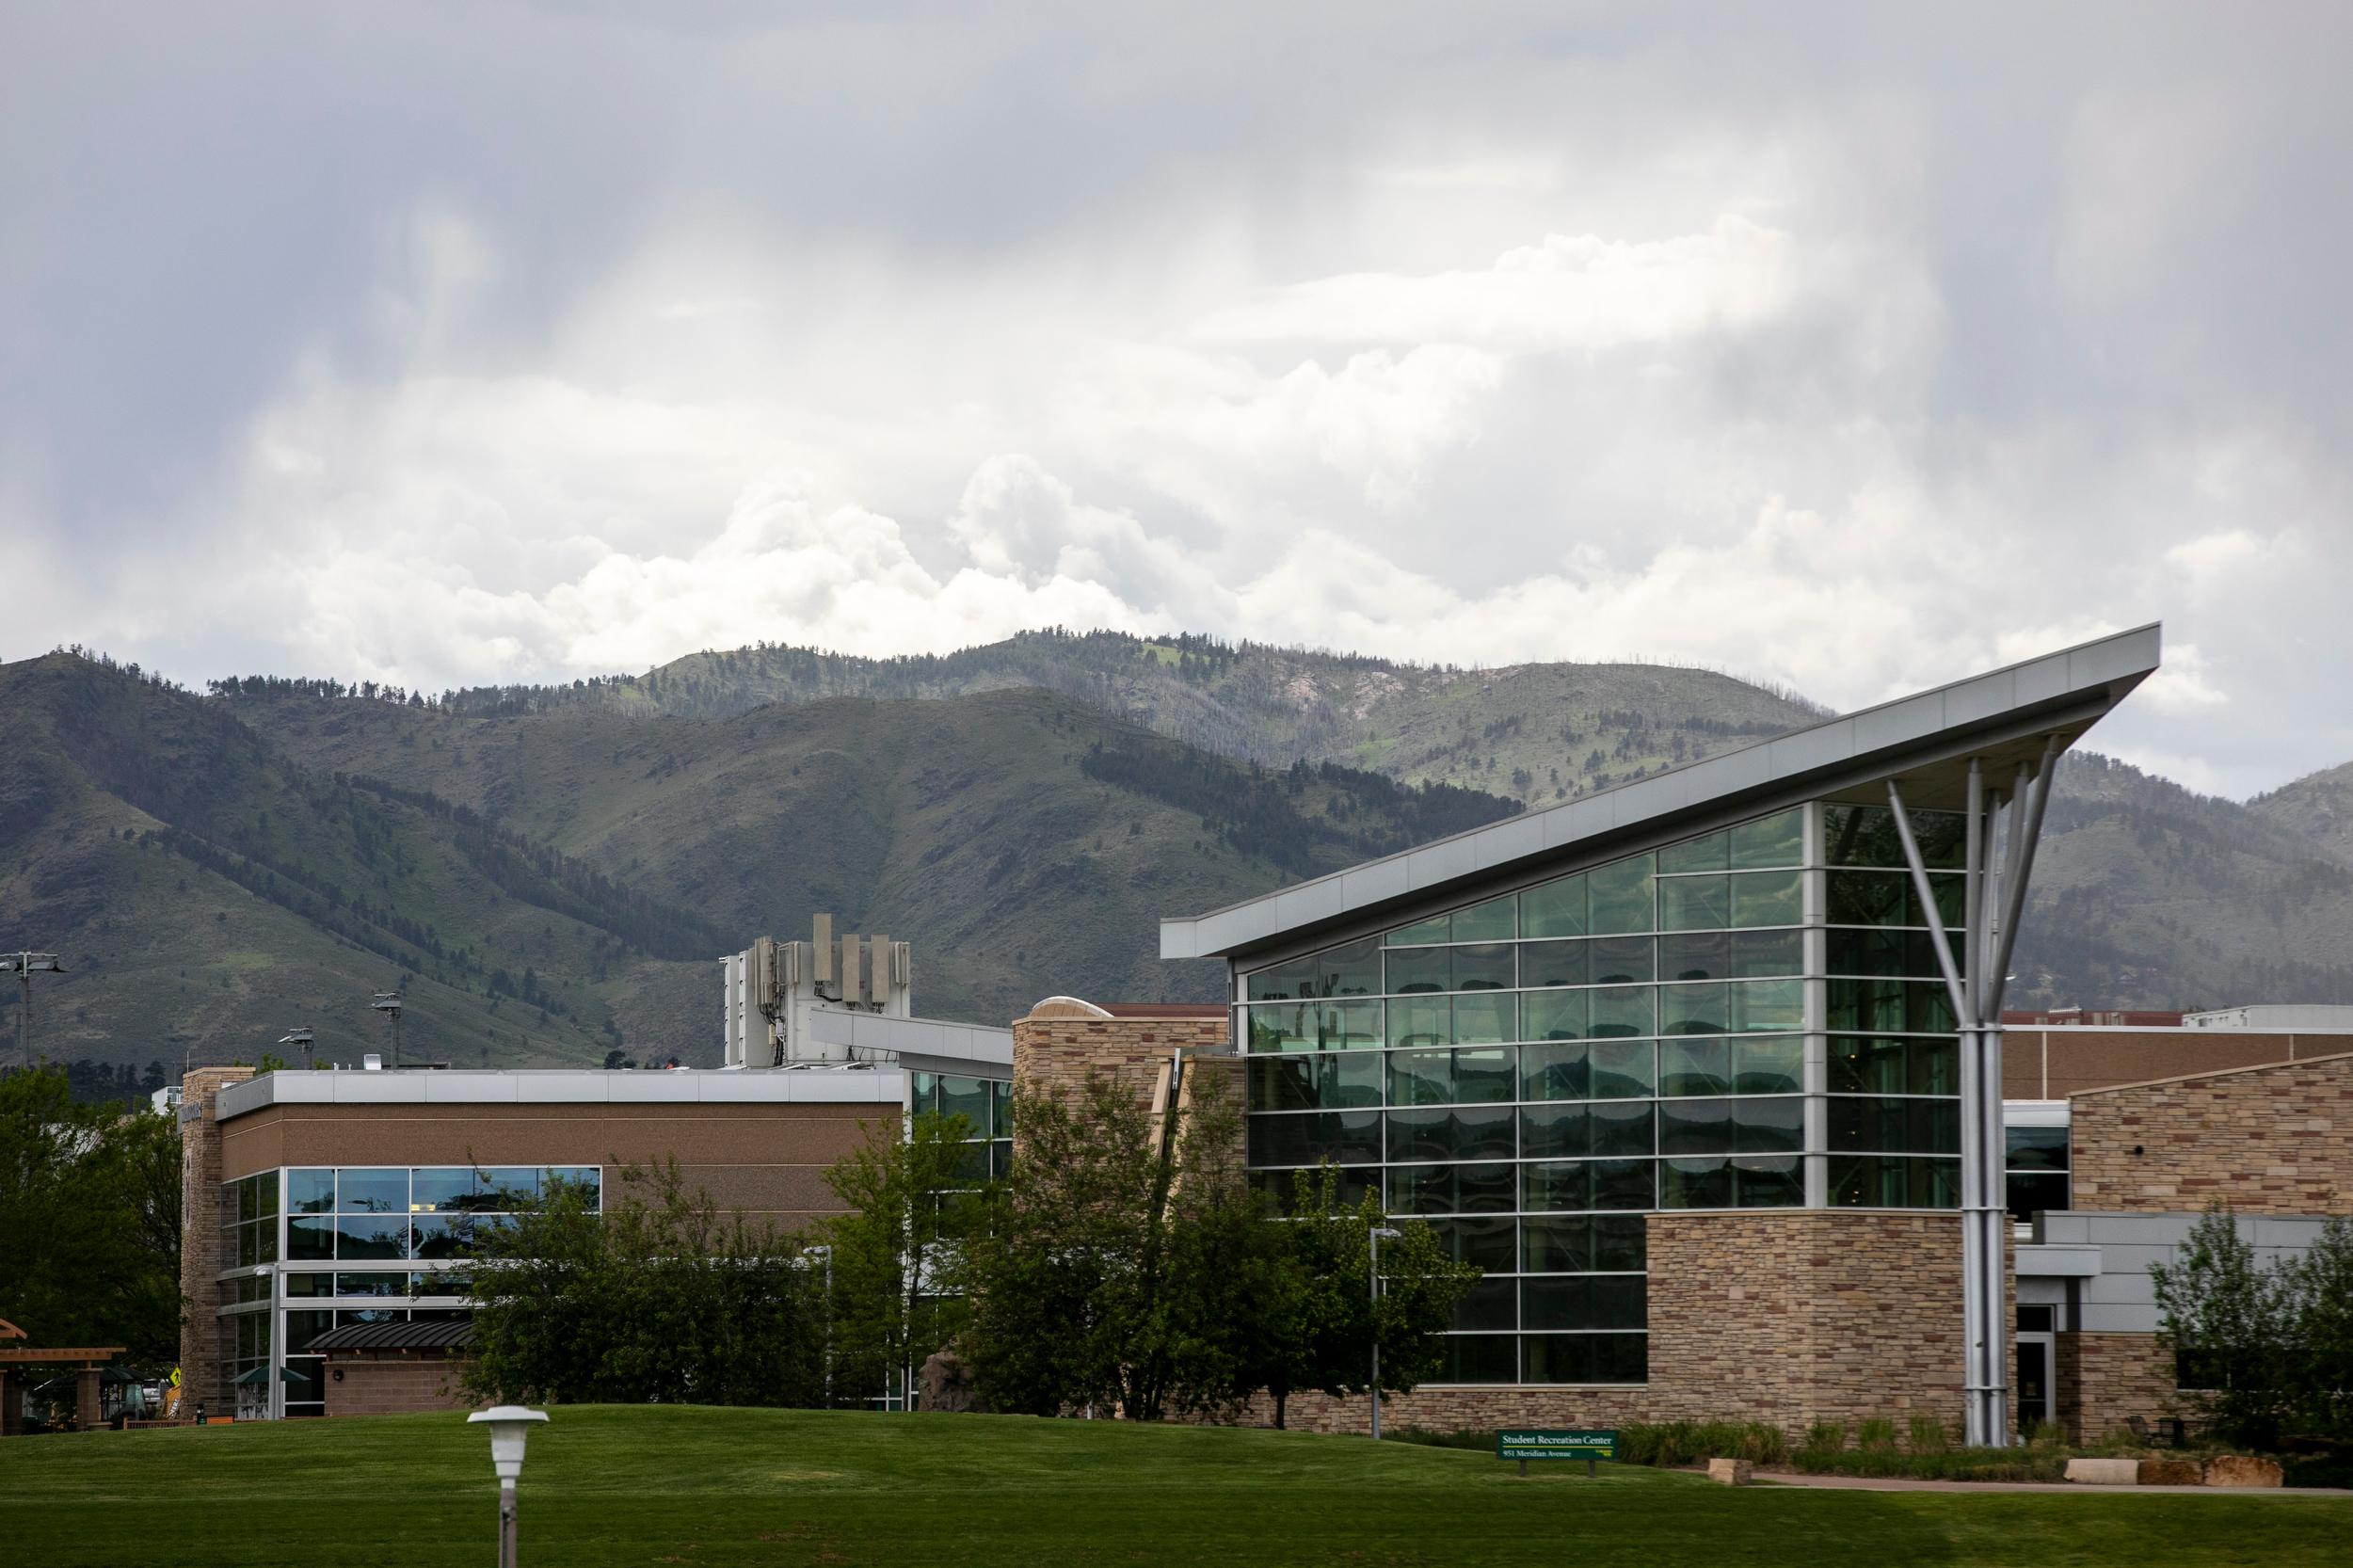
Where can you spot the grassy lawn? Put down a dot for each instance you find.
(607, 1485)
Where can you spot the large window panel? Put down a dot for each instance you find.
(1481, 1016)
(1556, 1245)
(1414, 971)
(1694, 902)
(1759, 953)
(1693, 1009)
(361, 1237)
(1555, 1132)
(1865, 836)
(1555, 964)
(1490, 1304)
(1767, 1006)
(1555, 910)
(1420, 1020)
(369, 1191)
(1556, 1071)
(1692, 1182)
(1623, 1069)
(1558, 1015)
(1775, 840)
(1622, 896)
(310, 1191)
(1767, 898)
(309, 1239)
(1695, 956)
(1775, 1182)
(1488, 966)
(1769, 1064)
(1480, 1358)
(1489, 1244)
(1496, 921)
(1624, 1184)
(1559, 1185)
(2035, 1148)
(1624, 960)
(1699, 1066)
(1343, 1136)
(1623, 1127)
(1620, 1011)
(1694, 1127)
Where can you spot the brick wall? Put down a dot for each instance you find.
(2101, 1380)
(395, 1384)
(1787, 1316)
(2275, 1140)
(202, 1376)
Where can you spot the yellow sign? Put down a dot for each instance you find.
(175, 1376)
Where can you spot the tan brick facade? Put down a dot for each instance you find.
(2099, 1381)
(2275, 1140)
(1055, 1051)
(393, 1382)
(1787, 1316)
(199, 1230)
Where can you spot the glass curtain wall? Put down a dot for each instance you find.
(986, 1106)
(378, 1223)
(1535, 1073)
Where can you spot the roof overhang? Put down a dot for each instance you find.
(2005, 718)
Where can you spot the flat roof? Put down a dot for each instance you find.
(968, 1044)
(808, 1086)
(2003, 716)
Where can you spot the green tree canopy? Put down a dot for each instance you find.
(656, 1300)
(89, 1219)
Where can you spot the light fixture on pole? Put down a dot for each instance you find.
(389, 1002)
(298, 1037)
(510, 1424)
(25, 966)
(1372, 1271)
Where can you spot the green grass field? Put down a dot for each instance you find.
(606, 1485)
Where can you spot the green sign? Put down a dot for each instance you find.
(1539, 1444)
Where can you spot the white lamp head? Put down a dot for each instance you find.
(509, 1425)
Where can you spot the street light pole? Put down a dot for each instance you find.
(389, 1002)
(510, 1424)
(1372, 1272)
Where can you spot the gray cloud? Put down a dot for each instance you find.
(1832, 343)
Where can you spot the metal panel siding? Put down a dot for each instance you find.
(1899, 722)
(656, 1088)
(1374, 884)
(2042, 681)
(469, 1089)
(567, 1089)
(1440, 862)
(1511, 840)
(2115, 659)
(878, 1086)
(1811, 748)
(1982, 699)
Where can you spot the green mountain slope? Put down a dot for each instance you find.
(296, 853)
(1540, 732)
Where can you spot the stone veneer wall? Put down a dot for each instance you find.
(200, 1369)
(2101, 1380)
(1787, 1316)
(1057, 1055)
(2276, 1139)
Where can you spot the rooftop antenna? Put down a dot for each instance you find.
(389, 1002)
(298, 1037)
(25, 966)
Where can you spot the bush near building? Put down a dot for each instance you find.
(2265, 1355)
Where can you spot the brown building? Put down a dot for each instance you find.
(319, 1202)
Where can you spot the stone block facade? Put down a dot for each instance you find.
(2271, 1140)
(2101, 1380)
(395, 1383)
(1787, 1316)
(200, 1369)
(1058, 1046)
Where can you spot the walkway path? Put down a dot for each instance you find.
(1876, 1484)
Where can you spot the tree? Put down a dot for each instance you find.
(1327, 1321)
(2229, 1324)
(89, 1219)
(653, 1301)
(912, 1203)
(2323, 1342)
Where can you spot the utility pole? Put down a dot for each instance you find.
(25, 966)
(389, 1002)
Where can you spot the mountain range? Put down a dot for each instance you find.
(546, 873)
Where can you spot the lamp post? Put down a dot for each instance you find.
(1372, 1273)
(509, 1425)
(298, 1037)
(825, 1252)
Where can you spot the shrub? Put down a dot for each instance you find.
(1673, 1443)
(1460, 1437)
(1948, 1463)
(1929, 1435)
(1876, 1435)
(1826, 1436)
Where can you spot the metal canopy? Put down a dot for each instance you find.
(2004, 719)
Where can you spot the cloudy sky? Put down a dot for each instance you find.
(455, 344)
